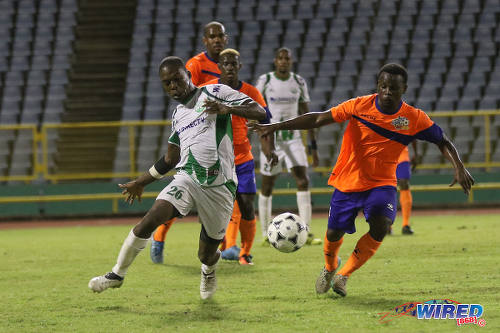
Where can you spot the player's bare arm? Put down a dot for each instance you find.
(311, 136)
(135, 188)
(307, 121)
(249, 110)
(462, 175)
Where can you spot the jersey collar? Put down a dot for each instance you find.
(382, 111)
(276, 76)
(209, 58)
(240, 84)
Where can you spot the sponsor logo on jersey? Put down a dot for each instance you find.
(401, 123)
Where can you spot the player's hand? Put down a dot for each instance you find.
(315, 157)
(132, 190)
(464, 178)
(272, 158)
(262, 129)
(214, 107)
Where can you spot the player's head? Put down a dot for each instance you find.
(229, 65)
(175, 78)
(391, 85)
(214, 38)
(283, 60)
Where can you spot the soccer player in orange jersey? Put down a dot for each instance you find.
(203, 67)
(380, 127)
(245, 222)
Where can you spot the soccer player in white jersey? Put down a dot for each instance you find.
(287, 97)
(201, 150)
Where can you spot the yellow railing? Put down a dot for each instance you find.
(40, 141)
(116, 197)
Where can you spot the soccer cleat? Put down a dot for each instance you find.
(407, 230)
(323, 283)
(233, 253)
(103, 282)
(156, 251)
(265, 242)
(246, 260)
(339, 284)
(313, 241)
(208, 285)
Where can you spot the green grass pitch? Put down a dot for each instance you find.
(44, 275)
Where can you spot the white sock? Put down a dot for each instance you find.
(265, 209)
(209, 269)
(304, 204)
(130, 249)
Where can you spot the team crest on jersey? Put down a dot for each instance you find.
(401, 123)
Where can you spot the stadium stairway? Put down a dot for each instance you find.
(96, 82)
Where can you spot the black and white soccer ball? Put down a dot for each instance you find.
(287, 232)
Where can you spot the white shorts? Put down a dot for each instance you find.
(292, 153)
(214, 204)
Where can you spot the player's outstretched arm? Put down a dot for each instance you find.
(311, 134)
(249, 110)
(462, 175)
(135, 188)
(306, 121)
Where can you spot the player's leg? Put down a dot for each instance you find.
(380, 207)
(158, 241)
(134, 243)
(231, 251)
(296, 161)
(265, 198)
(215, 206)
(406, 202)
(344, 208)
(248, 226)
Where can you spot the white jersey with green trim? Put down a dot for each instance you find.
(206, 140)
(283, 98)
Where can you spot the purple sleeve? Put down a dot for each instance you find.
(268, 117)
(432, 134)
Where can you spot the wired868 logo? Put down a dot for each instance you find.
(438, 309)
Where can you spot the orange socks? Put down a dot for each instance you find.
(233, 227)
(406, 201)
(364, 250)
(331, 250)
(161, 231)
(247, 231)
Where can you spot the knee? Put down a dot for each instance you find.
(379, 227)
(303, 184)
(404, 184)
(208, 258)
(334, 235)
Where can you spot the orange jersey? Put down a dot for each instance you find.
(373, 142)
(405, 156)
(242, 147)
(202, 68)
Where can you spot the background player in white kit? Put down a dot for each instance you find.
(201, 149)
(287, 97)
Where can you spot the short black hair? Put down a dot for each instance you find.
(277, 53)
(171, 61)
(394, 69)
(209, 24)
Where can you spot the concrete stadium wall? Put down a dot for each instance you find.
(280, 202)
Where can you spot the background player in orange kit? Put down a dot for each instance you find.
(203, 67)
(380, 127)
(245, 222)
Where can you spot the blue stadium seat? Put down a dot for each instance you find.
(305, 10)
(245, 12)
(450, 7)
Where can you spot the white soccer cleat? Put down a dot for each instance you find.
(103, 282)
(324, 281)
(208, 285)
